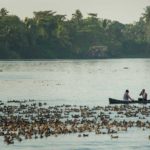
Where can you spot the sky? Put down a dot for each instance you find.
(125, 11)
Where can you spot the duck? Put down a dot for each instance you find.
(114, 136)
(85, 135)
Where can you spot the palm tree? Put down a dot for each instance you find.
(146, 18)
(3, 12)
(77, 15)
(146, 15)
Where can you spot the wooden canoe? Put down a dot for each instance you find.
(139, 101)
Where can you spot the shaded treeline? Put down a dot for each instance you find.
(50, 35)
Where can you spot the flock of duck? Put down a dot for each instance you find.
(29, 119)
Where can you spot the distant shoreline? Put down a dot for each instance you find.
(50, 36)
(73, 59)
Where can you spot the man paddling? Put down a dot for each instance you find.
(126, 96)
(143, 94)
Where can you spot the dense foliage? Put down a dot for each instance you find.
(49, 35)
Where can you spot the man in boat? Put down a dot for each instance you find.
(126, 96)
(143, 94)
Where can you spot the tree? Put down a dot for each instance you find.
(146, 18)
(146, 15)
(77, 16)
(3, 12)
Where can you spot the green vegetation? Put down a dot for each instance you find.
(49, 35)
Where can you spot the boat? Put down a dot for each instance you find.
(139, 101)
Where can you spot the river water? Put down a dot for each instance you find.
(80, 82)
